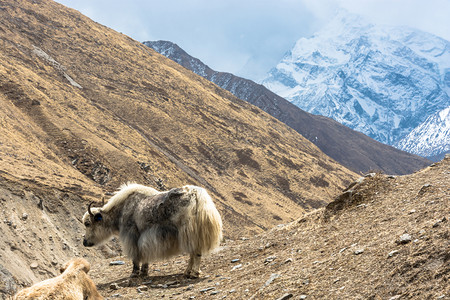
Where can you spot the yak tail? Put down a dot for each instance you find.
(206, 226)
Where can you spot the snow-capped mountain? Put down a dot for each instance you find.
(382, 81)
(431, 138)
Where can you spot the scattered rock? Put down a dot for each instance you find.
(169, 283)
(303, 297)
(24, 216)
(117, 263)
(288, 261)
(236, 267)
(34, 265)
(392, 253)
(207, 289)
(286, 296)
(142, 288)
(269, 259)
(424, 189)
(235, 260)
(358, 251)
(116, 296)
(114, 286)
(404, 239)
(438, 223)
(272, 278)
(395, 297)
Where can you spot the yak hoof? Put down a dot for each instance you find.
(144, 270)
(192, 274)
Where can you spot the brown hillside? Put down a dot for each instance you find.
(84, 109)
(82, 104)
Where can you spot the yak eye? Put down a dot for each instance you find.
(98, 217)
(87, 224)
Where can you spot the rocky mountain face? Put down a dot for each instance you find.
(381, 81)
(349, 147)
(84, 109)
(431, 138)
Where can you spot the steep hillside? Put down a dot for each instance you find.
(386, 237)
(352, 149)
(84, 109)
(379, 80)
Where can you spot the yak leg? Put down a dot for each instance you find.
(144, 270)
(135, 272)
(193, 268)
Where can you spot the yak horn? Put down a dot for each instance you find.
(89, 209)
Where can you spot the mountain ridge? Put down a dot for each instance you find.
(352, 149)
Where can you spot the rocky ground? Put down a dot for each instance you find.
(385, 238)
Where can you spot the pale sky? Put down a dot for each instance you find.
(249, 37)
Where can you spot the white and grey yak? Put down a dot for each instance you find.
(154, 225)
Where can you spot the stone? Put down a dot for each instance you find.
(272, 278)
(404, 239)
(142, 288)
(392, 253)
(286, 296)
(34, 265)
(117, 263)
(269, 259)
(358, 251)
(207, 289)
(289, 260)
(114, 286)
(438, 223)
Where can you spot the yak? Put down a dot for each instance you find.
(72, 284)
(153, 225)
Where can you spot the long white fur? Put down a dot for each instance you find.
(126, 190)
(199, 229)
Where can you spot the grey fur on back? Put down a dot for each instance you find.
(156, 225)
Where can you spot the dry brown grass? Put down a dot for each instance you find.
(135, 106)
(84, 109)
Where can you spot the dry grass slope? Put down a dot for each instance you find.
(84, 109)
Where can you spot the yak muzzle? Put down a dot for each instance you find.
(87, 244)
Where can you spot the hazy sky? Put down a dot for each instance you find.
(248, 37)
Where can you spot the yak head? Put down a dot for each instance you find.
(97, 227)
(75, 264)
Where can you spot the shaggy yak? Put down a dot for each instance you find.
(72, 284)
(154, 225)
